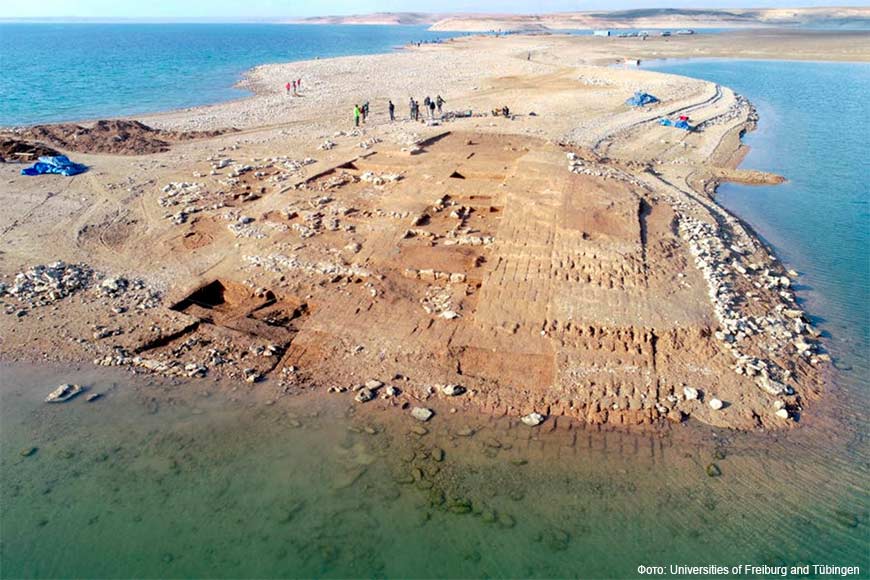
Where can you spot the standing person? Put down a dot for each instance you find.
(392, 109)
(294, 87)
(431, 109)
(426, 102)
(356, 114)
(299, 84)
(411, 108)
(365, 111)
(287, 86)
(440, 102)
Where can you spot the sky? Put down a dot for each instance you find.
(256, 9)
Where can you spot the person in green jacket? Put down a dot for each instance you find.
(356, 115)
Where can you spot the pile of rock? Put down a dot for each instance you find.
(380, 178)
(183, 194)
(438, 302)
(369, 143)
(280, 263)
(581, 167)
(741, 107)
(242, 226)
(468, 240)
(430, 275)
(45, 284)
(719, 264)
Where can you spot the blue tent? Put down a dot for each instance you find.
(60, 165)
(641, 99)
(681, 124)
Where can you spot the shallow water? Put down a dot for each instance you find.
(64, 72)
(160, 480)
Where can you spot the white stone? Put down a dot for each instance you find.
(690, 393)
(782, 413)
(452, 390)
(364, 395)
(422, 413)
(771, 386)
(715, 404)
(533, 419)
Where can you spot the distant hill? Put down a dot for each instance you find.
(853, 17)
(381, 18)
(846, 17)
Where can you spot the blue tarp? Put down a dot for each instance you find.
(60, 165)
(681, 124)
(641, 99)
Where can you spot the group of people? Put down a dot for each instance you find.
(360, 113)
(293, 86)
(430, 106)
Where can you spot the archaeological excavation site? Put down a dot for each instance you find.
(543, 281)
(520, 267)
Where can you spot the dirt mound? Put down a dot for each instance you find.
(115, 137)
(12, 150)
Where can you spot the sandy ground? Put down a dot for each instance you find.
(568, 260)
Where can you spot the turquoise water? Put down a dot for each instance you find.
(813, 129)
(162, 480)
(63, 72)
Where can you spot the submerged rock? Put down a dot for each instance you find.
(29, 451)
(64, 393)
(555, 538)
(459, 506)
(846, 519)
(404, 479)
(713, 470)
(419, 430)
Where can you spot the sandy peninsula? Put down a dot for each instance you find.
(568, 259)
